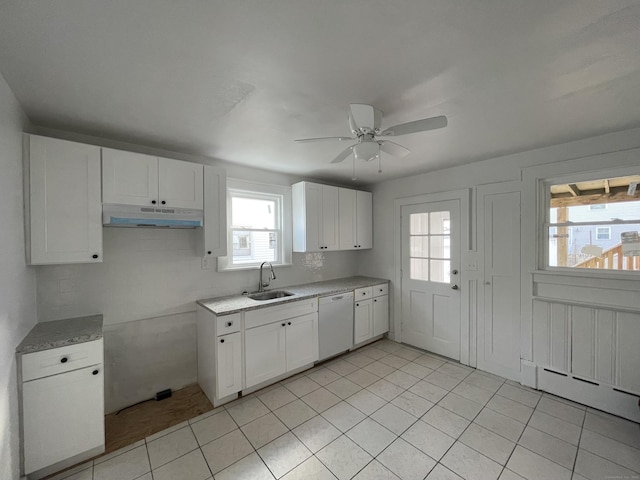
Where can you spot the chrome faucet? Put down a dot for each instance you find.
(272, 276)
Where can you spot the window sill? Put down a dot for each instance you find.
(237, 268)
(590, 273)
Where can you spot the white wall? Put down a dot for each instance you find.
(17, 282)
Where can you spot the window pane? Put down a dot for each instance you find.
(419, 269)
(440, 271)
(588, 213)
(258, 247)
(440, 247)
(253, 213)
(419, 223)
(419, 246)
(440, 223)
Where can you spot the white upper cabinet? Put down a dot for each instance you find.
(214, 233)
(356, 225)
(136, 179)
(315, 217)
(62, 202)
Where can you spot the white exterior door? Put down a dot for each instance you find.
(499, 243)
(430, 254)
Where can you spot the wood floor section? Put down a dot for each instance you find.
(138, 422)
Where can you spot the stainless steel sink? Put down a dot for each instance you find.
(270, 295)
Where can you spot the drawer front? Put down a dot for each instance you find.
(382, 289)
(60, 360)
(363, 293)
(228, 324)
(266, 315)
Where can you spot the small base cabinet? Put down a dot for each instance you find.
(371, 313)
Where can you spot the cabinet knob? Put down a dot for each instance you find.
(357, 304)
(284, 324)
(288, 323)
(153, 202)
(222, 340)
(364, 293)
(95, 372)
(209, 252)
(63, 360)
(229, 324)
(163, 202)
(95, 255)
(375, 300)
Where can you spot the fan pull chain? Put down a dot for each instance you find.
(379, 163)
(353, 177)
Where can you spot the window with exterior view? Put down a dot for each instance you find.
(594, 224)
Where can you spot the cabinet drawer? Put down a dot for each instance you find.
(60, 360)
(382, 289)
(363, 293)
(228, 324)
(266, 315)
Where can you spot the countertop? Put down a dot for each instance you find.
(241, 303)
(60, 333)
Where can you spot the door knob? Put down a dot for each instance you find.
(454, 287)
(454, 272)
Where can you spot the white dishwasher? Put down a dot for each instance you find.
(335, 324)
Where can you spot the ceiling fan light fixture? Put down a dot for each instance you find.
(366, 151)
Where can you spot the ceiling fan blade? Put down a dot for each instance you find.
(416, 126)
(393, 149)
(363, 116)
(343, 155)
(322, 139)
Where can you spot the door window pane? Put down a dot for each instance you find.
(419, 223)
(440, 247)
(430, 246)
(440, 223)
(440, 271)
(419, 246)
(419, 269)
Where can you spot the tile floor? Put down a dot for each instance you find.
(385, 411)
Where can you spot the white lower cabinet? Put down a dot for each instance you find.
(371, 315)
(380, 315)
(302, 341)
(265, 352)
(362, 321)
(229, 364)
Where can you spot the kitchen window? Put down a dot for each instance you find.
(259, 225)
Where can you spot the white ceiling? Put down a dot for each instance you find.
(239, 80)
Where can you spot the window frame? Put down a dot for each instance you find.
(284, 231)
(607, 231)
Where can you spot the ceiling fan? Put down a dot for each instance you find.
(365, 122)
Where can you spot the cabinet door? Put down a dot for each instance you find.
(313, 218)
(129, 178)
(214, 233)
(380, 315)
(302, 340)
(330, 238)
(229, 364)
(347, 215)
(363, 321)
(63, 416)
(265, 353)
(65, 212)
(180, 184)
(364, 219)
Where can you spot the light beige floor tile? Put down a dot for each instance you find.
(385, 389)
(416, 370)
(394, 418)
(343, 416)
(371, 436)
(284, 454)
(343, 388)
(323, 376)
(611, 449)
(554, 426)
(460, 405)
(532, 466)
(263, 430)
(120, 451)
(491, 383)
(412, 403)
(407, 353)
(276, 397)
(517, 394)
(310, 469)
(446, 421)
(226, 450)
(429, 361)
(362, 378)
(166, 431)
(561, 410)
(207, 414)
(509, 475)
(406, 461)
(343, 457)
(359, 360)
(126, 466)
(316, 433)
(473, 393)
(78, 472)
(213, 427)
(302, 386)
(379, 369)
(429, 439)
(394, 361)
(440, 472)
(490, 444)
(366, 402)
(247, 411)
(191, 466)
(515, 410)
(455, 370)
(389, 346)
(500, 424)
(429, 391)
(402, 379)
(376, 471)
(470, 464)
(295, 413)
(149, 476)
(442, 380)
(549, 447)
(321, 399)
(597, 468)
(614, 427)
(171, 446)
(374, 353)
(341, 367)
(250, 467)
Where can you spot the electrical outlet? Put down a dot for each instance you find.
(207, 263)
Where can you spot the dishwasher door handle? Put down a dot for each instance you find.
(335, 299)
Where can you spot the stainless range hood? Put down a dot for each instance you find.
(150, 217)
